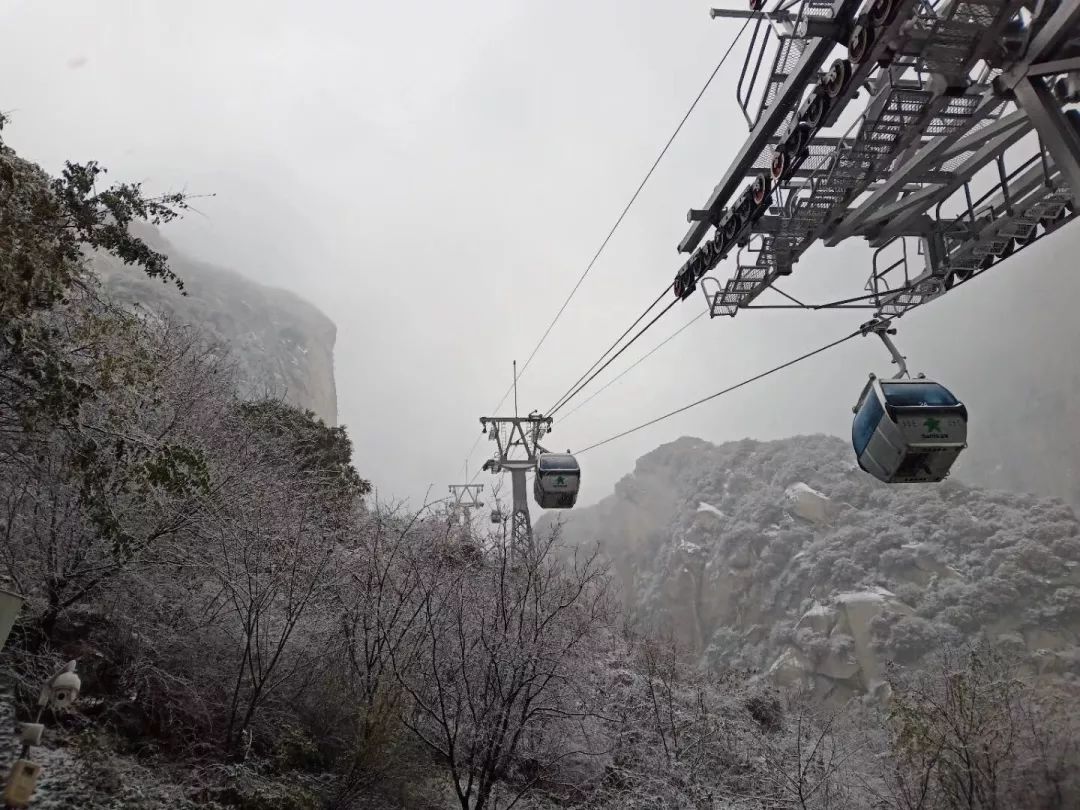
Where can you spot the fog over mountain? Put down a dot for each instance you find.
(324, 168)
(283, 345)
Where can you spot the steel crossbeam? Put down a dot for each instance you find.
(951, 89)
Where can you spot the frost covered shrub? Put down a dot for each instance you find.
(766, 709)
(894, 560)
(795, 538)
(1064, 542)
(908, 592)
(967, 731)
(1039, 559)
(813, 644)
(992, 595)
(724, 647)
(740, 536)
(782, 633)
(909, 638)
(1064, 605)
(964, 617)
(846, 573)
(773, 559)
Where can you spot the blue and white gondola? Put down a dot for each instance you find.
(908, 430)
(557, 479)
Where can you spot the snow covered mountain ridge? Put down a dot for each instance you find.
(783, 557)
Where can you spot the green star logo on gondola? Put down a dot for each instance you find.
(560, 481)
(932, 425)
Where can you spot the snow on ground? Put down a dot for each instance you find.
(871, 594)
(795, 490)
(708, 507)
(688, 547)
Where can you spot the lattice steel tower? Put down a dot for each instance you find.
(466, 497)
(517, 440)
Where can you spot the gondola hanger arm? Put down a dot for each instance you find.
(883, 328)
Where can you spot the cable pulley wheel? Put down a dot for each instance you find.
(882, 12)
(761, 188)
(795, 142)
(837, 78)
(860, 42)
(816, 110)
(732, 227)
(779, 165)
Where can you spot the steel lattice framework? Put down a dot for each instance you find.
(466, 497)
(517, 440)
(938, 130)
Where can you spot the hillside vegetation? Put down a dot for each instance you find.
(784, 557)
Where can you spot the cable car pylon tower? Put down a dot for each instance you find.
(466, 497)
(517, 441)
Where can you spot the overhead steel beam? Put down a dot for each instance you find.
(882, 204)
(808, 26)
(1060, 27)
(1057, 132)
(1054, 66)
(1055, 32)
(900, 216)
(810, 62)
(973, 140)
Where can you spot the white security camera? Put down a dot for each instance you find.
(65, 688)
(61, 690)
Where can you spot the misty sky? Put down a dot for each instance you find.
(435, 176)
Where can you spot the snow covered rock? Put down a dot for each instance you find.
(819, 618)
(709, 509)
(837, 664)
(858, 610)
(808, 503)
(926, 560)
(790, 668)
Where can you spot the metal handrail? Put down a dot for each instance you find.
(744, 90)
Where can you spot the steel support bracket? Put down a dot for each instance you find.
(1058, 134)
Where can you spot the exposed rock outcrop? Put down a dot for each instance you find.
(284, 346)
(808, 503)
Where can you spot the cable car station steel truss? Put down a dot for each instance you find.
(517, 440)
(949, 90)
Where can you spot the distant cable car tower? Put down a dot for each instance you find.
(517, 439)
(466, 497)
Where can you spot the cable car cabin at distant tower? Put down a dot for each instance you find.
(557, 479)
(908, 431)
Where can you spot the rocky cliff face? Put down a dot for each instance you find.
(785, 558)
(283, 344)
